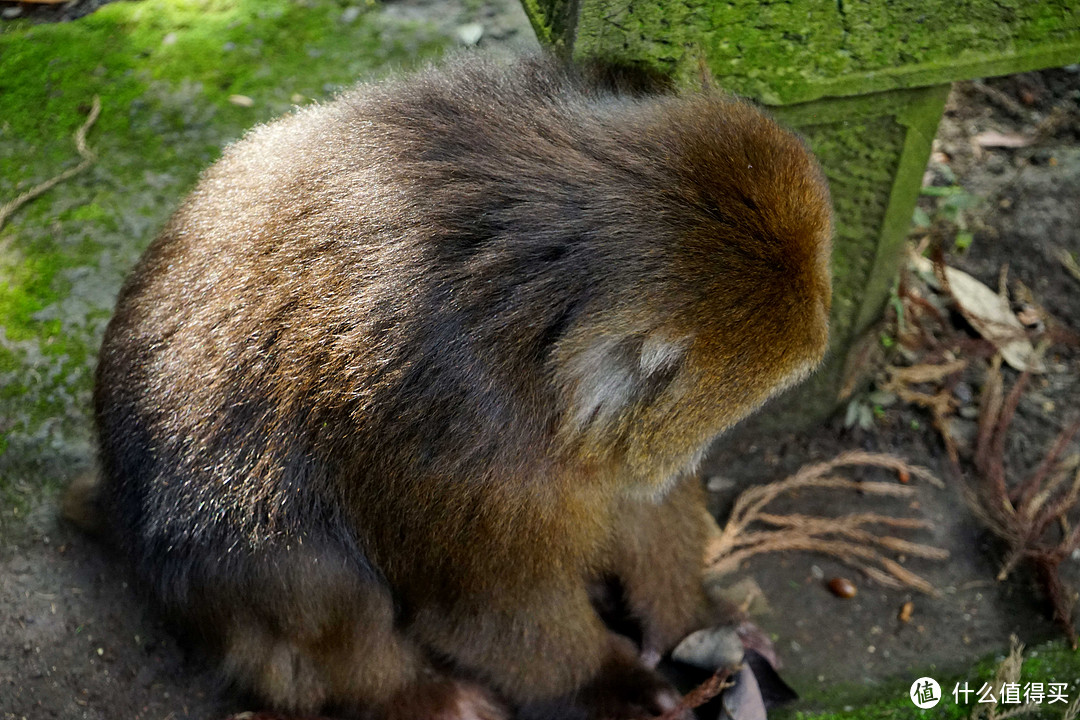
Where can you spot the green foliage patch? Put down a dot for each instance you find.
(178, 80)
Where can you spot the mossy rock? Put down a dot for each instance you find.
(789, 52)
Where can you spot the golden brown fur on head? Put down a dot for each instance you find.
(739, 308)
(409, 370)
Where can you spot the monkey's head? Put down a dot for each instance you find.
(729, 306)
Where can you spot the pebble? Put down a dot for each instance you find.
(470, 33)
(719, 483)
(996, 164)
(963, 392)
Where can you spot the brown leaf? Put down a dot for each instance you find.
(989, 313)
(1068, 261)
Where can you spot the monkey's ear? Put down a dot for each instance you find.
(615, 372)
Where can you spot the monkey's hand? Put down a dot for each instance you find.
(623, 689)
(442, 698)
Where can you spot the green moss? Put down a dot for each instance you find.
(788, 52)
(165, 71)
(1051, 662)
(873, 150)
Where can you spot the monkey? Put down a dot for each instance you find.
(412, 370)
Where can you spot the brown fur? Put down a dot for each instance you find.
(408, 370)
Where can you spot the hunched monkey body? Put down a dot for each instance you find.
(408, 371)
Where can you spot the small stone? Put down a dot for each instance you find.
(996, 164)
(719, 483)
(470, 33)
(349, 15)
(963, 392)
(169, 39)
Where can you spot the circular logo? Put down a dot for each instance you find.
(925, 692)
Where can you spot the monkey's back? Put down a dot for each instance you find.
(344, 338)
(321, 311)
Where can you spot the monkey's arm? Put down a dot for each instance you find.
(658, 557)
(548, 652)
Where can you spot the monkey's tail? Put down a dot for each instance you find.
(81, 503)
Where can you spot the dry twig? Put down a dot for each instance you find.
(700, 695)
(1008, 671)
(845, 537)
(88, 158)
(1031, 516)
(940, 404)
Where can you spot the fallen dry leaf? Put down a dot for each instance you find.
(1068, 261)
(990, 315)
(710, 649)
(743, 701)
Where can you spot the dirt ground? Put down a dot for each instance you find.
(77, 642)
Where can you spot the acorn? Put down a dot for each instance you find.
(841, 587)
